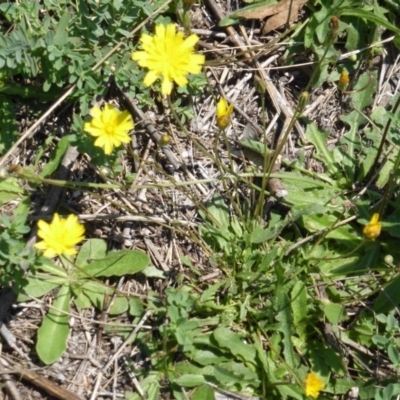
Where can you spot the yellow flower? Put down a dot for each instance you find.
(165, 140)
(313, 385)
(60, 236)
(373, 229)
(343, 80)
(169, 55)
(223, 113)
(110, 126)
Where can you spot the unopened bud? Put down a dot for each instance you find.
(389, 259)
(303, 101)
(353, 58)
(335, 24)
(260, 85)
(104, 172)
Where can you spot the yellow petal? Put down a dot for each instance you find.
(167, 53)
(150, 78)
(95, 112)
(221, 107)
(190, 42)
(166, 86)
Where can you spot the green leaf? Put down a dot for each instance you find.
(116, 263)
(10, 189)
(227, 376)
(203, 392)
(318, 27)
(91, 250)
(319, 139)
(385, 171)
(211, 290)
(299, 308)
(38, 286)
(136, 307)
(233, 18)
(370, 258)
(218, 210)
(369, 152)
(208, 357)
(52, 269)
(285, 318)
(389, 298)
(80, 299)
(393, 355)
(53, 334)
(342, 386)
(152, 272)
(364, 91)
(255, 151)
(320, 222)
(190, 380)
(92, 290)
(8, 125)
(233, 343)
(369, 16)
(119, 306)
(304, 191)
(276, 226)
(151, 387)
(334, 313)
(56, 157)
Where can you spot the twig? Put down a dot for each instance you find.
(43, 383)
(128, 340)
(155, 136)
(8, 383)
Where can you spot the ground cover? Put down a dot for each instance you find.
(199, 200)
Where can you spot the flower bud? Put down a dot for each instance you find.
(223, 113)
(372, 230)
(389, 259)
(303, 101)
(335, 24)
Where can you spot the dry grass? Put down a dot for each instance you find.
(162, 221)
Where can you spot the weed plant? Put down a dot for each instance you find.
(305, 302)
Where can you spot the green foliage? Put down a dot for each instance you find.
(298, 286)
(14, 255)
(80, 279)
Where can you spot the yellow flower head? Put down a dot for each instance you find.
(313, 385)
(168, 55)
(165, 140)
(60, 236)
(343, 80)
(223, 113)
(372, 230)
(110, 126)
